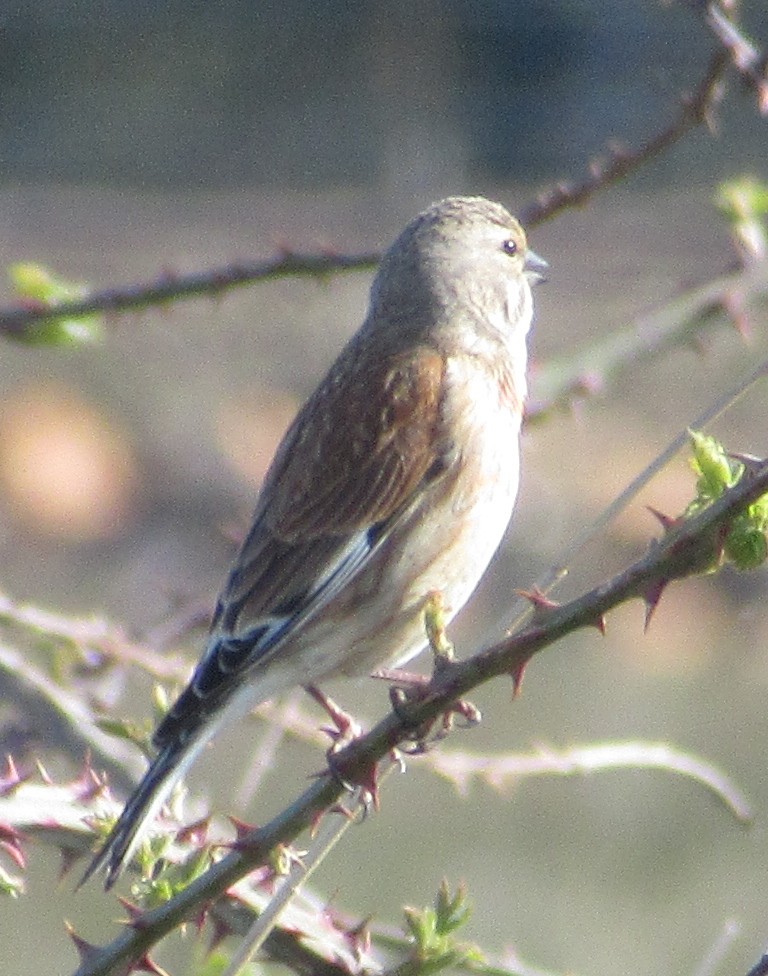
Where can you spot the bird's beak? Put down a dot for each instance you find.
(535, 267)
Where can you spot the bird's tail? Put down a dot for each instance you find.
(144, 804)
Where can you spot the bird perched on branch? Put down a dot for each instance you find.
(396, 480)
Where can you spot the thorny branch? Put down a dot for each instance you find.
(685, 549)
(17, 322)
(678, 554)
(696, 109)
(751, 64)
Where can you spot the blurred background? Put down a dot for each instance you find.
(143, 139)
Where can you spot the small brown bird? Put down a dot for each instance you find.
(397, 479)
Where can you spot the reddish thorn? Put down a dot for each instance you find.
(88, 784)
(667, 521)
(359, 938)
(12, 779)
(733, 306)
(261, 877)
(317, 818)
(11, 840)
(334, 734)
(468, 711)
(15, 852)
(342, 811)
(201, 917)
(517, 674)
(599, 623)
(242, 829)
(10, 833)
(368, 781)
(86, 950)
(651, 597)
(345, 727)
(134, 913)
(537, 598)
(148, 965)
(196, 833)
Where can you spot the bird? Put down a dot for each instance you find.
(396, 480)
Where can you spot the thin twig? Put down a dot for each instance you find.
(66, 719)
(696, 109)
(751, 64)
(20, 321)
(680, 319)
(499, 772)
(711, 412)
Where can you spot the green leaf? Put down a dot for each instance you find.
(744, 197)
(717, 472)
(217, 962)
(10, 885)
(744, 202)
(745, 544)
(431, 929)
(138, 733)
(38, 286)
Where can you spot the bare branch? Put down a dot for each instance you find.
(21, 321)
(680, 319)
(65, 718)
(93, 633)
(751, 63)
(503, 771)
(696, 109)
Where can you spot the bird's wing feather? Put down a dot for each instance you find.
(330, 494)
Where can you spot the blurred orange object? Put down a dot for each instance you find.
(66, 470)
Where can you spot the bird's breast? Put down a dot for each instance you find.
(445, 538)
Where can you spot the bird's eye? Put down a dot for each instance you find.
(510, 246)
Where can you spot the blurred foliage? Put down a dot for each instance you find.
(34, 283)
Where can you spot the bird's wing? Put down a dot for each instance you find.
(351, 462)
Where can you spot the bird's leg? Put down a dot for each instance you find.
(408, 687)
(345, 728)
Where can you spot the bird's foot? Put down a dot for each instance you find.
(407, 689)
(342, 732)
(344, 729)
